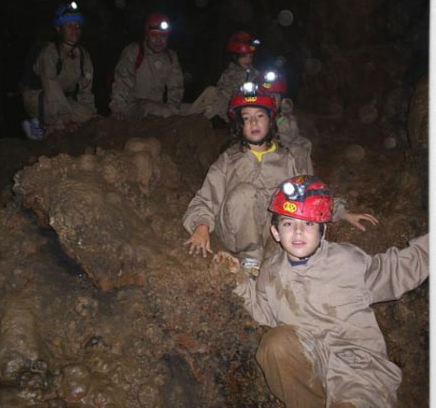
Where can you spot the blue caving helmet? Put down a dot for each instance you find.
(66, 13)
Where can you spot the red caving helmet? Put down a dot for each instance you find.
(157, 23)
(303, 197)
(241, 43)
(250, 97)
(270, 82)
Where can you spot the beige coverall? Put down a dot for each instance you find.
(298, 145)
(235, 196)
(214, 101)
(59, 103)
(139, 91)
(326, 346)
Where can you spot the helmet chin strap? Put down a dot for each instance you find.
(256, 142)
(267, 138)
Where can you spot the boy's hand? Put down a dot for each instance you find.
(199, 241)
(355, 218)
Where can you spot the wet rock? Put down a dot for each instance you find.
(22, 350)
(75, 383)
(180, 388)
(97, 206)
(79, 384)
(150, 393)
(86, 306)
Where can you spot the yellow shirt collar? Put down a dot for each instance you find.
(259, 155)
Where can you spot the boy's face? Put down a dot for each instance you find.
(157, 42)
(245, 61)
(298, 238)
(71, 32)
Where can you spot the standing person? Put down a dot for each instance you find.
(214, 100)
(271, 83)
(235, 194)
(148, 78)
(325, 348)
(59, 94)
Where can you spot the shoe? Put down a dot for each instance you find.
(32, 129)
(250, 263)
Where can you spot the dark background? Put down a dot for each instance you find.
(200, 30)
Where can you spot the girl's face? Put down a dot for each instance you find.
(255, 125)
(245, 61)
(71, 32)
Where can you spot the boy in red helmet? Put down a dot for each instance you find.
(236, 191)
(325, 348)
(271, 83)
(214, 100)
(144, 72)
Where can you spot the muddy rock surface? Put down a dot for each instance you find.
(100, 304)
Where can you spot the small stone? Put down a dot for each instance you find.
(355, 153)
(390, 143)
(368, 114)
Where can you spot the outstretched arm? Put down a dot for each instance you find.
(356, 218)
(199, 241)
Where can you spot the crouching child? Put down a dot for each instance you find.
(325, 348)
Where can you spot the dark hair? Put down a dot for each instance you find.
(237, 126)
(275, 219)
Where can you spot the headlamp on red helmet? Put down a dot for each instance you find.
(270, 76)
(271, 82)
(242, 42)
(248, 96)
(304, 197)
(157, 23)
(248, 88)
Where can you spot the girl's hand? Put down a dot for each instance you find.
(355, 218)
(199, 241)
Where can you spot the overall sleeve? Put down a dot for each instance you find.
(47, 71)
(390, 275)
(85, 95)
(339, 208)
(206, 203)
(175, 83)
(228, 82)
(124, 78)
(255, 298)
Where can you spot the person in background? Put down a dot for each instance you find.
(236, 192)
(214, 100)
(325, 348)
(271, 83)
(58, 95)
(148, 79)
